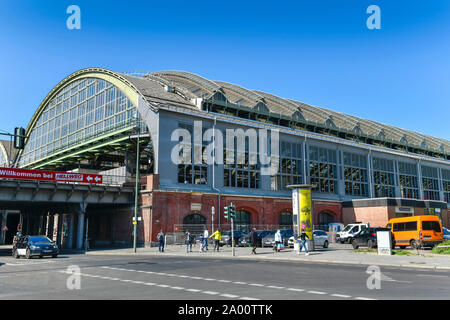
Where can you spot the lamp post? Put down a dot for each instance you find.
(136, 197)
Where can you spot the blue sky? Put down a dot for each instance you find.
(319, 52)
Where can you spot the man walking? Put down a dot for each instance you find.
(303, 237)
(254, 240)
(217, 237)
(160, 237)
(188, 241)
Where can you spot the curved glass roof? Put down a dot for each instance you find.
(200, 87)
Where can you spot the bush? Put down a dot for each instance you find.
(438, 250)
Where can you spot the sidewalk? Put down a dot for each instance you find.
(335, 254)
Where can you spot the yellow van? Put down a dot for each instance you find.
(416, 231)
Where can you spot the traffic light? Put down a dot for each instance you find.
(19, 138)
(227, 213)
(232, 211)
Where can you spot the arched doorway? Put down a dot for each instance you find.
(242, 221)
(194, 222)
(324, 219)
(285, 220)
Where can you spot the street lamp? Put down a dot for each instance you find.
(136, 197)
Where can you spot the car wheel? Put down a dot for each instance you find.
(342, 241)
(15, 254)
(325, 244)
(402, 247)
(370, 244)
(55, 256)
(40, 257)
(28, 254)
(354, 244)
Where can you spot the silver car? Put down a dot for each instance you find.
(320, 239)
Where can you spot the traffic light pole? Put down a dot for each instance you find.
(232, 232)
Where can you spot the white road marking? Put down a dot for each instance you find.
(295, 289)
(363, 298)
(227, 295)
(340, 295)
(316, 292)
(210, 292)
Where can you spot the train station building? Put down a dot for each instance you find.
(204, 144)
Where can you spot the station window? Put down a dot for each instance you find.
(323, 169)
(408, 180)
(290, 170)
(446, 184)
(430, 183)
(383, 178)
(355, 175)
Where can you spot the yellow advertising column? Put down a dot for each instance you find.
(302, 212)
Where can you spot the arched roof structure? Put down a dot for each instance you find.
(188, 90)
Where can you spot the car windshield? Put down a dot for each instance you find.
(39, 239)
(347, 228)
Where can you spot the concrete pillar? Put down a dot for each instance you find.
(2, 226)
(70, 231)
(80, 228)
(59, 230)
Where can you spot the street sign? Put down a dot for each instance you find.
(39, 175)
(384, 242)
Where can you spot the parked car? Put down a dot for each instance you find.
(320, 239)
(30, 246)
(367, 238)
(226, 237)
(350, 231)
(269, 240)
(416, 231)
(245, 241)
(446, 233)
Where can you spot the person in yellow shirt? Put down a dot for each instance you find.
(217, 237)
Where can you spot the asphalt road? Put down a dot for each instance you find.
(191, 278)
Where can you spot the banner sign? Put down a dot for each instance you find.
(25, 174)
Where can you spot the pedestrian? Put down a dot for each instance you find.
(217, 237)
(160, 237)
(254, 240)
(205, 239)
(201, 244)
(302, 238)
(278, 240)
(188, 241)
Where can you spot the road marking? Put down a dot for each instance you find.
(340, 295)
(384, 277)
(363, 298)
(431, 275)
(316, 292)
(294, 289)
(226, 295)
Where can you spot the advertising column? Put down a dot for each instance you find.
(301, 215)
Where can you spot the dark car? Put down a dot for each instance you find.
(367, 238)
(30, 246)
(245, 241)
(226, 237)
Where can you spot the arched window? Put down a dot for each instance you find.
(242, 221)
(285, 220)
(325, 218)
(194, 222)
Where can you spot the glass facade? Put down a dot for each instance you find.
(239, 173)
(323, 169)
(430, 183)
(290, 170)
(83, 110)
(383, 178)
(355, 175)
(409, 187)
(446, 184)
(188, 171)
(3, 159)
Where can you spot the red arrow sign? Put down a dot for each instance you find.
(25, 174)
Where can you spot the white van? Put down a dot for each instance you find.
(350, 231)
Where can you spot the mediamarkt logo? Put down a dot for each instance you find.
(258, 147)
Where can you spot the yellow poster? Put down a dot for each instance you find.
(305, 211)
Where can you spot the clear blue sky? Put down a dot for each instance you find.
(319, 52)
